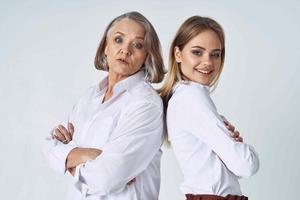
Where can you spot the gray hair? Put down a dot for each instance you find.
(153, 66)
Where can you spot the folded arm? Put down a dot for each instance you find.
(137, 138)
(240, 158)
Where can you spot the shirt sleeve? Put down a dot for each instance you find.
(56, 152)
(139, 136)
(200, 118)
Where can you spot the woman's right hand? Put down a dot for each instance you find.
(62, 134)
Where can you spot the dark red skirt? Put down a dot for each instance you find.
(214, 197)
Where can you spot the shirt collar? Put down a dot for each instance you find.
(185, 82)
(131, 81)
(125, 84)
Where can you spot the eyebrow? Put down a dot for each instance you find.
(199, 47)
(138, 37)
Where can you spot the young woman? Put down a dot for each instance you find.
(111, 143)
(211, 154)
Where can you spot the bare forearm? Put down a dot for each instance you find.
(78, 156)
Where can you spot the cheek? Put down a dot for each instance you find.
(107, 51)
(217, 65)
(140, 59)
(111, 48)
(189, 62)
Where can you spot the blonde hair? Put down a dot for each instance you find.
(187, 31)
(154, 66)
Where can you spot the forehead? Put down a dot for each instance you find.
(127, 27)
(207, 39)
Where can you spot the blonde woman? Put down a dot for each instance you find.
(211, 153)
(111, 144)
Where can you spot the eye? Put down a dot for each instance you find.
(216, 55)
(138, 45)
(118, 39)
(197, 52)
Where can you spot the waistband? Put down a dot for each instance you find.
(214, 197)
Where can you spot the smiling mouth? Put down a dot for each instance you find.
(205, 72)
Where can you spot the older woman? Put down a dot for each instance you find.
(111, 143)
(211, 154)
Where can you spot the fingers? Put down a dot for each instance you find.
(230, 127)
(62, 134)
(71, 128)
(58, 135)
(224, 119)
(130, 182)
(65, 132)
(235, 134)
(239, 139)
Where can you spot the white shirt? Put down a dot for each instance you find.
(211, 161)
(128, 128)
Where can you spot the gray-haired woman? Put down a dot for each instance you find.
(111, 142)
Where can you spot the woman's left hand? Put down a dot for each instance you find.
(235, 134)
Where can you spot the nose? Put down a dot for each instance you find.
(206, 60)
(125, 49)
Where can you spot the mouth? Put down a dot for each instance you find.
(204, 71)
(123, 61)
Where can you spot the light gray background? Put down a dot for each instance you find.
(46, 62)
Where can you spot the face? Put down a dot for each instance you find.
(125, 49)
(200, 58)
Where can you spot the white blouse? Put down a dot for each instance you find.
(128, 128)
(211, 160)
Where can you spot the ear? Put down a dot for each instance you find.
(177, 54)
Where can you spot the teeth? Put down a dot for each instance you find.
(203, 72)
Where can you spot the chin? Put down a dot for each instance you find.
(203, 82)
(121, 71)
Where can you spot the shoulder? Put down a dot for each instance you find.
(190, 93)
(145, 94)
(89, 93)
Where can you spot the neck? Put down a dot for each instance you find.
(113, 79)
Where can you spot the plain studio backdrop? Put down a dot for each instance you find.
(46, 63)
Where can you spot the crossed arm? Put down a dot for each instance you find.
(77, 155)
